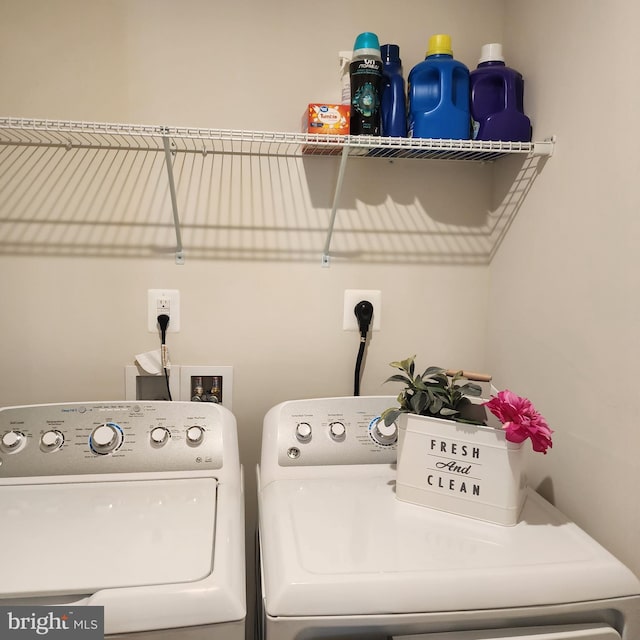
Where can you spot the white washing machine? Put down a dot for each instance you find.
(342, 558)
(136, 507)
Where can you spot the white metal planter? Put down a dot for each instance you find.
(464, 469)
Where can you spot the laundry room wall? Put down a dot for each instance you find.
(85, 235)
(563, 309)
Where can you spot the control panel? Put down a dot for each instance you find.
(333, 431)
(98, 438)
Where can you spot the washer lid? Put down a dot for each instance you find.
(347, 546)
(80, 538)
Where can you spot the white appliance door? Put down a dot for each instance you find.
(571, 632)
(79, 538)
(346, 546)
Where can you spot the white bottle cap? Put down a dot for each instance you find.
(491, 53)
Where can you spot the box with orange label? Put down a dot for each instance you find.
(327, 119)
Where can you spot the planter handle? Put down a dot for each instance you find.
(471, 375)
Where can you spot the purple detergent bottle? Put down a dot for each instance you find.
(497, 99)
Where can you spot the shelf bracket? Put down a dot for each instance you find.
(174, 199)
(544, 148)
(326, 258)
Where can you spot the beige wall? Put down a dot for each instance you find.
(564, 314)
(553, 316)
(85, 236)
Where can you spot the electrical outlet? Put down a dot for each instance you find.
(161, 301)
(351, 299)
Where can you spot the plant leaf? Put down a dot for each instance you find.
(398, 377)
(406, 365)
(470, 389)
(390, 415)
(436, 405)
(402, 401)
(418, 383)
(414, 404)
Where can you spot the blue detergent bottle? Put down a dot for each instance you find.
(497, 97)
(393, 103)
(439, 94)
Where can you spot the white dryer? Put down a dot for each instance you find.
(136, 507)
(342, 558)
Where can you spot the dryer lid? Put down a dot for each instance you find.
(79, 538)
(344, 546)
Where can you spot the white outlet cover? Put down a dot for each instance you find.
(173, 295)
(351, 299)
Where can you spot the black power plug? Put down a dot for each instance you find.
(364, 314)
(163, 323)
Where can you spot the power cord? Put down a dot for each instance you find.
(364, 314)
(163, 322)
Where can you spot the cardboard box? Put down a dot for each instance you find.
(327, 119)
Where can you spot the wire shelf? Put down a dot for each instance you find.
(98, 135)
(73, 135)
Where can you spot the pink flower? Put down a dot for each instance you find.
(520, 420)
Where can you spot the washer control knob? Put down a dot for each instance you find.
(106, 438)
(195, 435)
(303, 431)
(383, 434)
(12, 440)
(51, 440)
(160, 436)
(337, 431)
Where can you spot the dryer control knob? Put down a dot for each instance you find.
(51, 440)
(159, 436)
(106, 438)
(383, 434)
(303, 431)
(337, 431)
(195, 435)
(11, 440)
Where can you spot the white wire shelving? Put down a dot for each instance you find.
(174, 140)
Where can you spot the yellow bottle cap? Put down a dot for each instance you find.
(440, 43)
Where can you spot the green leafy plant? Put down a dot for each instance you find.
(433, 393)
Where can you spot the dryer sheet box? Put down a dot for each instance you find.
(331, 119)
